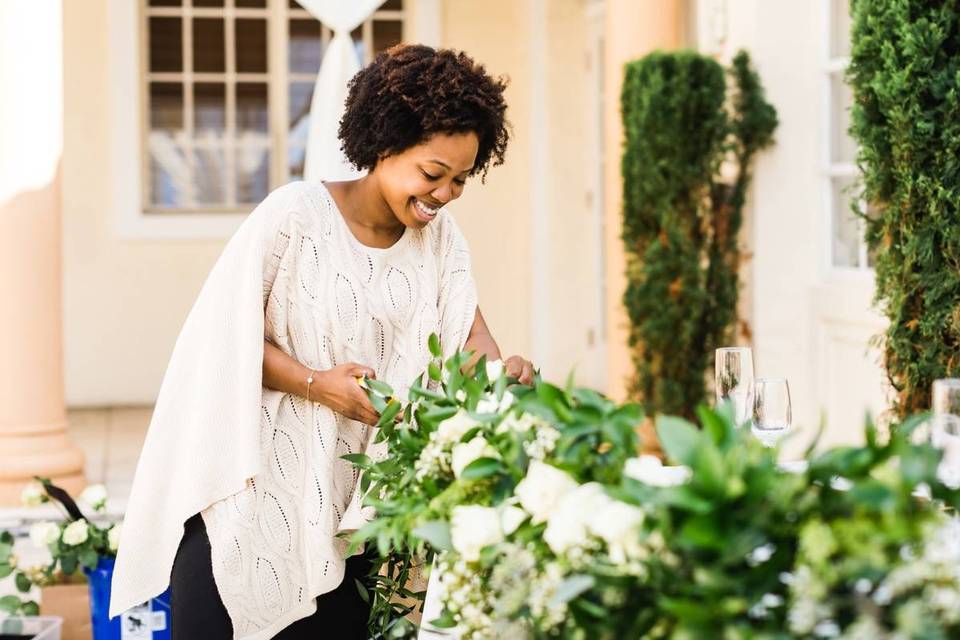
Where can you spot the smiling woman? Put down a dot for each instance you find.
(322, 285)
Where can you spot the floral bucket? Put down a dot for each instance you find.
(151, 620)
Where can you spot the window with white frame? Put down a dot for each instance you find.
(848, 249)
(227, 87)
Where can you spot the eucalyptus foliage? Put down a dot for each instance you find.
(543, 523)
(905, 74)
(686, 165)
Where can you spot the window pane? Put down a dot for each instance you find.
(842, 146)
(169, 174)
(293, 4)
(251, 45)
(208, 45)
(164, 3)
(305, 47)
(295, 160)
(253, 173)
(392, 5)
(251, 4)
(386, 33)
(166, 44)
(209, 174)
(252, 107)
(209, 107)
(845, 226)
(840, 23)
(166, 106)
(300, 95)
(208, 3)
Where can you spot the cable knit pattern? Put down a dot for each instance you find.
(328, 299)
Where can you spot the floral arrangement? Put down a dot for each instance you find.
(74, 543)
(543, 521)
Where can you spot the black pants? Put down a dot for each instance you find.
(196, 611)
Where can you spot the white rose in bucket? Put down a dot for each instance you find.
(95, 496)
(113, 537)
(540, 491)
(76, 533)
(472, 528)
(43, 534)
(466, 452)
(33, 495)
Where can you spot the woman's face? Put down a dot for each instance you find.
(420, 180)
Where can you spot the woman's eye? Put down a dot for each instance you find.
(429, 177)
(461, 182)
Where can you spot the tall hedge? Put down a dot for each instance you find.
(682, 215)
(905, 75)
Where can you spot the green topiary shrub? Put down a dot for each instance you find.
(682, 215)
(905, 74)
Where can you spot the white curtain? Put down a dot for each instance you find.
(324, 160)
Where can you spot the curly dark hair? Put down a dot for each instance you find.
(411, 92)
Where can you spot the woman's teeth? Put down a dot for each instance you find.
(424, 209)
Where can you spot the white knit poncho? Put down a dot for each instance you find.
(261, 465)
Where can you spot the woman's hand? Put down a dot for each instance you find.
(520, 368)
(339, 389)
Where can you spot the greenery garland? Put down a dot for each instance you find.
(686, 169)
(905, 76)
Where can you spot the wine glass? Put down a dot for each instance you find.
(772, 414)
(734, 380)
(945, 424)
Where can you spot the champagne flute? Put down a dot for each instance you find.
(734, 380)
(772, 414)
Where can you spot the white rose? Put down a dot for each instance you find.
(113, 537)
(43, 534)
(511, 518)
(95, 496)
(541, 489)
(76, 533)
(494, 369)
(466, 452)
(33, 495)
(472, 528)
(488, 403)
(649, 470)
(618, 525)
(455, 427)
(567, 526)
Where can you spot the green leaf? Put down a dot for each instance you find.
(89, 558)
(418, 391)
(433, 343)
(6, 550)
(359, 459)
(68, 564)
(379, 404)
(445, 621)
(435, 532)
(678, 438)
(389, 414)
(572, 587)
(380, 387)
(433, 370)
(9, 604)
(23, 582)
(30, 608)
(5, 570)
(481, 468)
(362, 590)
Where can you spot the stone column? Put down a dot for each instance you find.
(33, 424)
(633, 29)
